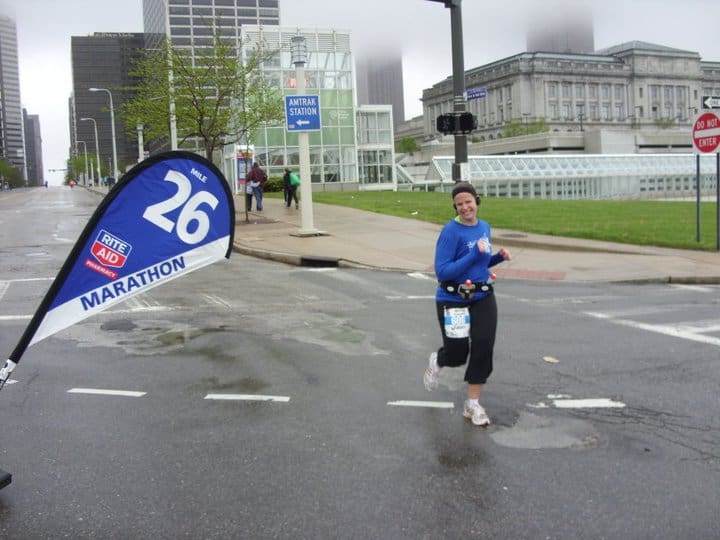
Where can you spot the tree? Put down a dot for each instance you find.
(217, 99)
(10, 174)
(408, 145)
(516, 128)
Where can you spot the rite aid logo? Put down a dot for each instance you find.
(110, 250)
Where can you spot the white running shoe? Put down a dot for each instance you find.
(477, 414)
(430, 377)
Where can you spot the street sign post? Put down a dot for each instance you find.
(711, 102)
(302, 113)
(706, 133)
(706, 139)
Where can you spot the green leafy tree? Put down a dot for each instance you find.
(10, 174)
(216, 98)
(517, 128)
(408, 145)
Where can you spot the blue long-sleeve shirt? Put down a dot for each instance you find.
(458, 259)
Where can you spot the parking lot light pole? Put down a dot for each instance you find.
(97, 146)
(112, 128)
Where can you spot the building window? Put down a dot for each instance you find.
(566, 111)
(553, 109)
(619, 92)
(566, 90)
(552, 90)
(606, 111)
(594, 111)
(605, 89)
(580, 91)
(640, 91)
(619, 112)
(593, 91)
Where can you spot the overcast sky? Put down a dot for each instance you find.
(491, 30)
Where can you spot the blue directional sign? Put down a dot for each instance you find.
(302, 112)
(476, 93)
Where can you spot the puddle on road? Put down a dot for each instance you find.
(532, 431)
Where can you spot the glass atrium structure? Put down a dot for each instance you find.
(586, 176)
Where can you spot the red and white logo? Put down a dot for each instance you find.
(109, 250)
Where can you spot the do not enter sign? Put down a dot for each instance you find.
(706, 133)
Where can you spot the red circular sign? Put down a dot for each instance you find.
(706, 132)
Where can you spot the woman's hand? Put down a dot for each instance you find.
(505, 254)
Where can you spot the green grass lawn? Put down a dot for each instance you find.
(656, 223)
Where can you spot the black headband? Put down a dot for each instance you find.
(464, 187)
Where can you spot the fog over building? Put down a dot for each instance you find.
(562, 28)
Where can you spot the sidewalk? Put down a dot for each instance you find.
(355, 238)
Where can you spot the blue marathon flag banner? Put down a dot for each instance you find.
(168, 216)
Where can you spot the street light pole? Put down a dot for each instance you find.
(299, 56)
(112, 127)
(97, 146)
(141, 144)
(86, 163)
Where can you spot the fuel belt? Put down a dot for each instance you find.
(468, 289)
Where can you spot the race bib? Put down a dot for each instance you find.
(457, 322)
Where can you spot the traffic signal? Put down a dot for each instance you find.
(446, 123)
(456, 123)
(466, 122)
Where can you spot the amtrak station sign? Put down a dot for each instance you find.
(302, 113)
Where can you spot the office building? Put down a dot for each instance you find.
(379, 80)
(33, 150)
(560, 27)
(12, 142)
(189, 23)
(104, 60)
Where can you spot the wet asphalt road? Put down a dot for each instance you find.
(334, 436)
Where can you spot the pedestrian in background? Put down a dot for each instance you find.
(255, 183)
(293, 181)
(286, 186)
(465, 302)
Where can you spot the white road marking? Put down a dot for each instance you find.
(420, 275)
(15, 317)
(692, 332)
(5, 283)
(411, 297)
(247, 397)
(590, 403)
(105, 392)
(596, 403)
(216, 300)
(431, 404)
(698, 288)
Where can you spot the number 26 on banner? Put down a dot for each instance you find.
(190, 212)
